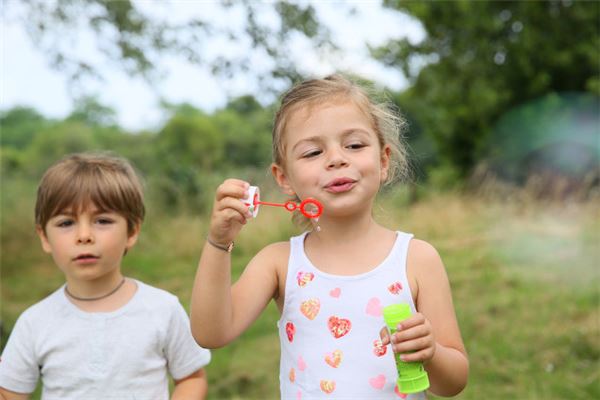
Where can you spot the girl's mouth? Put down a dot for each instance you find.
(340, 185)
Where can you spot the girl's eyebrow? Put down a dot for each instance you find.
(343, 134)
(351, 131)
(312, 139)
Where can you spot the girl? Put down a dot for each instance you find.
(332, 143)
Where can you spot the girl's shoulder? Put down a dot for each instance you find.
(420, 250)
(275, 254)
(424, 265)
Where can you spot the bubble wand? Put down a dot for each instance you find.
(309, 207)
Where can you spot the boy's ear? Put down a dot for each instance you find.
(281, 179)
(386, 154)
(133, 236)
(43, 239)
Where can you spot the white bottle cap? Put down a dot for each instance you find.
(252, 200)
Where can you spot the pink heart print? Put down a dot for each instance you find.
(310, 308)
(304, 278)
(334, 358)
(327, 386)
(335, 292)
(290, 330)
(377, 382)
(401, 395)
(339, 326)
(374, 307)
(395, 288)
(301, 364)
(378, 348)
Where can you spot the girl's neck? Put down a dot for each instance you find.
(349, 248)
(343, 228)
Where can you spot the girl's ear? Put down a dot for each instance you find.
(43, 239)
(281, 179)
(386, 153)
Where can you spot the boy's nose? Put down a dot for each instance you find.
(85, 236)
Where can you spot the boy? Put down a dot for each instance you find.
(101, 335)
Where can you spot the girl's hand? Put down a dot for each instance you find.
(413, 339)
(229, 213)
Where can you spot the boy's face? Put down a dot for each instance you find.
(89, 245)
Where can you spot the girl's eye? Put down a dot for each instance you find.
(355, 146)
(312, 153)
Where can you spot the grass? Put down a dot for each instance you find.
(524, 276)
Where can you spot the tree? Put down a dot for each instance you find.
(480, 59)
(19, 126)
(137, 35)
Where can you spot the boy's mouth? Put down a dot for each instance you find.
(86, 258)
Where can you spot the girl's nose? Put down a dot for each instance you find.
(336, 159)
(337, 162)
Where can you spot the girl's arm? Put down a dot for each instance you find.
(221, 312)
(8, 395)
(448, 365)
(193, 386)
(432, 335)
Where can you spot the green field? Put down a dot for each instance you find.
(524, 274)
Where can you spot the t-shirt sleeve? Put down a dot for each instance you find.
(184, 355)
(19, 369)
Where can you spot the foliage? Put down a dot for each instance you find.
(181, 162)
(137, 35)
(482, 58)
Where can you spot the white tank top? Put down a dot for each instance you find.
(329, 328)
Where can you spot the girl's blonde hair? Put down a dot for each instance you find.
(79, 180)
(384, 117)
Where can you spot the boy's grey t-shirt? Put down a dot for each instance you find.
(124, 354)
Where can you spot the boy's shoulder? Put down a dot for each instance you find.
(44, 310)
(50, 304)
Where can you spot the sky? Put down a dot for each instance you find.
(27, 80)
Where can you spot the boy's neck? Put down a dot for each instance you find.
(110, 299)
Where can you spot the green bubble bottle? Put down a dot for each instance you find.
(412, 377)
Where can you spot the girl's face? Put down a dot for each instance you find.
(332, 153)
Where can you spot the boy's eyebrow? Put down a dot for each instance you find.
(94, 211)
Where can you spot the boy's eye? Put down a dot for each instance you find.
(104, 221)
(65, 223)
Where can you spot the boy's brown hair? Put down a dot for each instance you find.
(79, 180)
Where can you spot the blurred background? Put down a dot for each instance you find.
(503, 105)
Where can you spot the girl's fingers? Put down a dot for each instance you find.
(418, 344)
(410, 333)
(414, 320)
(421, 355)
(384, 334)
(230, 203)
(232, 188)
